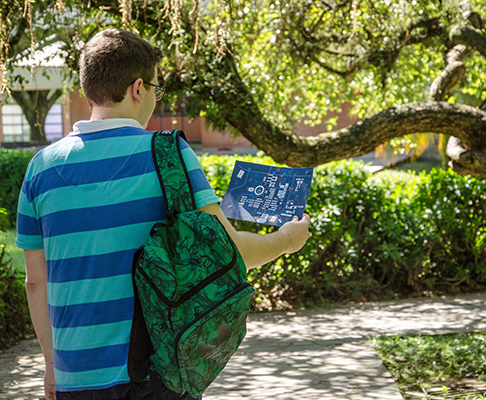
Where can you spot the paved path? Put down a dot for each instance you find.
(311, 354)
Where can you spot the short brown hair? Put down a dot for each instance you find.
(111, 61)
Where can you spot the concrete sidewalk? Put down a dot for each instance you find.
(311, 354)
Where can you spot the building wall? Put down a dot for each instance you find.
(343, 121)
(201, 137)
(213, 140)
(192, 129)
(76, 108)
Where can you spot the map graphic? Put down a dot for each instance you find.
(266, 194)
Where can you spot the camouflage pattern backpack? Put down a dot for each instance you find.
(190, 285)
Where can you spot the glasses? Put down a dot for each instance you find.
(159, 90)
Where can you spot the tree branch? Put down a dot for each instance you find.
(383, 59)
(465, 122)
(451, 75)
(54, 95)
(21, 27)
(342, 74)
(470, 37)
(408, 36)
(473, 17)
(238, 108)
(319, 21)
(446, 81)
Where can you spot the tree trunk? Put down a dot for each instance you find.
(36, 104)
(464, 161)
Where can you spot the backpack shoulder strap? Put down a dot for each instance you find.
(172, 172)
(179, 197)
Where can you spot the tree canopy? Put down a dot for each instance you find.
(257, 67)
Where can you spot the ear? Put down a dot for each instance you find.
(136, 91)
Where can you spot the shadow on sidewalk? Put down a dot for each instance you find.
(22, 372)
(319, 354)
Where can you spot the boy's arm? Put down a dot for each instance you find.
(259, 249)
(36, 288)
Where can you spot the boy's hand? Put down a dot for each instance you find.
(295, 233)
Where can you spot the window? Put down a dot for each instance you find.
(14, 125)
(17, 129)
(53, 126)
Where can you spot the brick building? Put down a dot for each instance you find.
(74, 107)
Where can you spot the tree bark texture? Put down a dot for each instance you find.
(470, 37)
(466, 123)
(454, 71)
(464, 161)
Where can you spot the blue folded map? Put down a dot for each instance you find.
(266, 194)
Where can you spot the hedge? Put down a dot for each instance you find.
(375, 237)
(13, 164)
(15, 320)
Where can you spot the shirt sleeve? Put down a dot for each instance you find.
(29, 235)
(203, 192)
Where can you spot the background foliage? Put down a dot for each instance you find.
(273, 63)
(299, 60)
(13, 164)
(375, 236)
(14, 313)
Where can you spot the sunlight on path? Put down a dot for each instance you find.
(22, 372)
(319, 354)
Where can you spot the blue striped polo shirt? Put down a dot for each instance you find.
(89, 201)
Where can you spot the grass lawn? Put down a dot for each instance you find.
(433, 367)
(436, 367)
(13, 252)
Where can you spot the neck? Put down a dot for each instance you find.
(112, 111)
(132, 106)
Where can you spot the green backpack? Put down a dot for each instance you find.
(190, 285)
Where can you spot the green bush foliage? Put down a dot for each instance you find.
(13, 164)
(15, 320)
(375, 237)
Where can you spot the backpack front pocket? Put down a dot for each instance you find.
(205, 346)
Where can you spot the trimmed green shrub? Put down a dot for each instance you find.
(374, 237)
(13, 164)
(453, 228)
(15, 320)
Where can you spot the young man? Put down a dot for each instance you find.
(87, 203)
